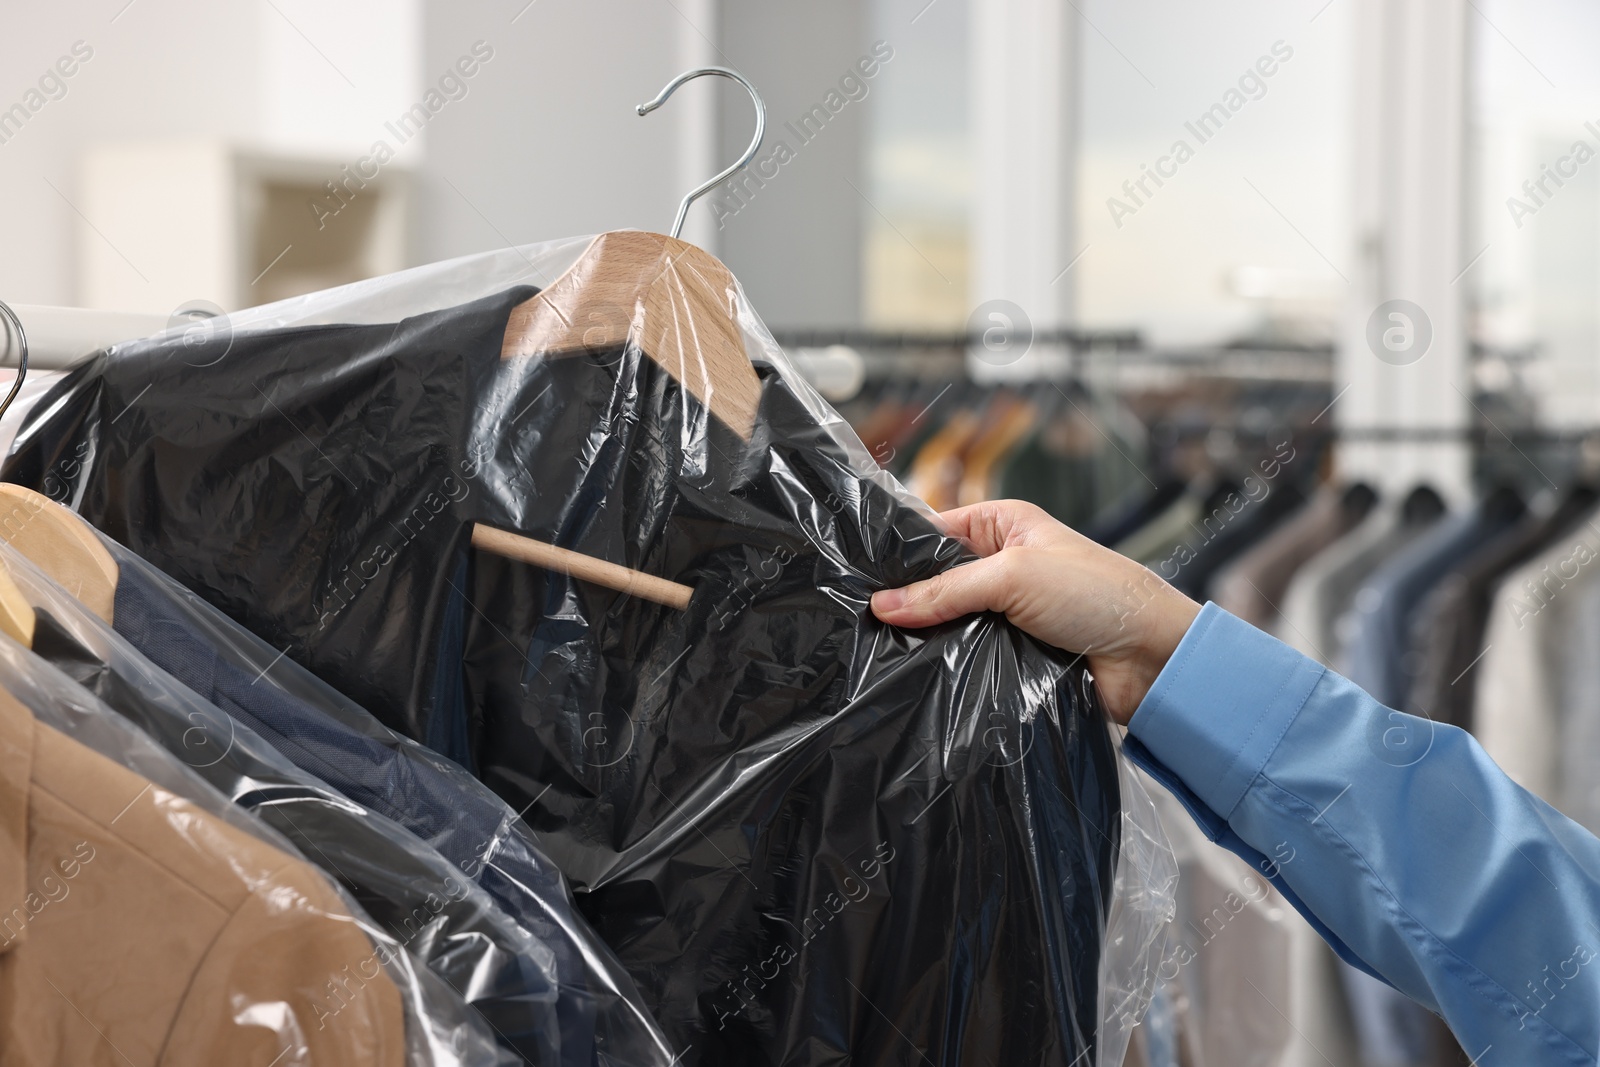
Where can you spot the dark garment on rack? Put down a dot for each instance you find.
(1227, 530)
(1072, 465)
(1451, 622)
(1144, 505)
(407, 888)
(810, 837)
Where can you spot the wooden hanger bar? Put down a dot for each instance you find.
(566, 561)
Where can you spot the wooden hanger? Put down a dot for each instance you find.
(61, 543)
(16, 614)
(679, 305)
(17, 617)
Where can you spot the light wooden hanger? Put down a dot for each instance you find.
(676, 302)
(679, 305)
(47, 533)
(61, 543)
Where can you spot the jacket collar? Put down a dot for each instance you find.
(16, 780)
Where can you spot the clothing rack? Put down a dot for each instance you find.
(59, 337)
(1482, 436)
(1287, 361)
(1078, 340)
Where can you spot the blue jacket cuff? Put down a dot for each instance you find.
(1221, 705)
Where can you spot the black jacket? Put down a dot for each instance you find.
(808, 836)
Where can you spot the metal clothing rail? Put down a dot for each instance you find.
(950, 339)
(59, 337)
(1481, 436)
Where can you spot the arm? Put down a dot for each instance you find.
(1399, 839)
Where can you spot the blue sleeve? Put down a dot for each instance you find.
(1399, 839)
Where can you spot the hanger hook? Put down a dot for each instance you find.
(22, 363)
(749, 153)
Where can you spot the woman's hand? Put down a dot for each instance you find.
(1060, 587)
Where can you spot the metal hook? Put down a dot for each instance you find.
(22, 364)
(749, 153)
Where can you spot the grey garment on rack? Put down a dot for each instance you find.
(1156, 539)
(1228, 950)
(1317, 614)
(1320, 592)
(1377, 659)
(1317, 602)
(1393, 1030)
(1253, 585)
(1324, 1033)
(1580, 682)
(1537, 673)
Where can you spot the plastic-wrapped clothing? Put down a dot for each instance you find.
(152, 923)
(178, 925)
(325, 734)
(807, 835)
(429, 907)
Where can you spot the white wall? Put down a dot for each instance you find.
(796, 244)
(171, 69)
(333, 73)
(1024, 129)
(547, 144)
(187, 69)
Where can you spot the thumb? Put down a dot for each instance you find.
(977, 586)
